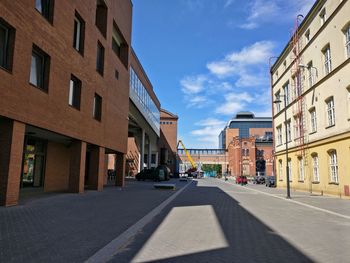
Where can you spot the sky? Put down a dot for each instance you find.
(209, 59)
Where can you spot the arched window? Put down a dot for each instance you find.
(315, 168)
(333, 166)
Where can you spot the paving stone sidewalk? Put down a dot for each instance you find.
(71, 227)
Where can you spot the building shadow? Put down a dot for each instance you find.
(247, 238)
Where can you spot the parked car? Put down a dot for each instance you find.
(259, 180)
(270, 181)
(241, 179)
(146, 174)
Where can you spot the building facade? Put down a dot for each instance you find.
(311, 85)
(168, 139)
(248, 144)
(64, 85)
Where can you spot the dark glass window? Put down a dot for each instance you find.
(79, 33)
(45, 7)
(7, 39)
(97, 110)
(119, 45)
(100, 58)
(40, 68)
(101, 17)
(74, 92)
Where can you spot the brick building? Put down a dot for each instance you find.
(168, 139)
(64, 85)
(248, 142)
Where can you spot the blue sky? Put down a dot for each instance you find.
(209, 59)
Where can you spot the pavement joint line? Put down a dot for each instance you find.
(111, 249)
(297, 202)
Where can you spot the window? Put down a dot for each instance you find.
(74, 92)
(79, 33)
(323, 16)
(333, 165)
(7, 39)
(276, 75)
(315, 168)
(101, 17)
(286, 93)
(280, 170)
(285, 65)
(279, 135)
(347, 40)
(97, 107)
(301, 169)
(278, 104)
(100, 58)
(310, 74)
(40, 68)
(290, 169)
(348, 101)
(307, 36)
(327, 59)
(297, 127)
(45, 7)
(289, 132)
(330, 112)
(119, 45)
(313, 120)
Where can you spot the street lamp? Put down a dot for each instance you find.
(285, 124)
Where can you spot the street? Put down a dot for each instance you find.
(217, 221)
(204, 220)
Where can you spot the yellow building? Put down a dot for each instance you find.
(311, 82)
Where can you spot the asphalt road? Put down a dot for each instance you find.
(217, 221)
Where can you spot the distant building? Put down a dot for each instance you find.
(168, 139)
(248, 141)
(312, 76)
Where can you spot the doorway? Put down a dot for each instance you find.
(33, 166)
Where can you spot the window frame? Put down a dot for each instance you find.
(330, 110)
(333, 167)
(48, 12)
(313, 120)
(100, 63)
(301, 169)
(80, 38)
(327, 57)
(44, 70)
(75, 91)
(279, 135)
(97, 107)
(280, 170)
(9, 43)
(347, 39)
(315, 168)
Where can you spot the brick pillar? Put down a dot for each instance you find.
(120, 169)
(77, 167)
(97, 168)
(11, 154)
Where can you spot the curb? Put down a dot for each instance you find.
(111, 249)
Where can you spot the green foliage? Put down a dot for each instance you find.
(211, 167)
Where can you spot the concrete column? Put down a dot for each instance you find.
(77, 167)
(142, 159)
(149, 154)
(120, 169)
(11, 154)
(97, 165)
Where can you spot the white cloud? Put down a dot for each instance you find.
(267, 11)
(193, 85)
(209, 131)
(234, 102)
(246, 64)
(197, 101)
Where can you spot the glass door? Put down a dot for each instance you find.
(33, 163)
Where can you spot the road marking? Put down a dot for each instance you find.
(107, 252)
(296, 202)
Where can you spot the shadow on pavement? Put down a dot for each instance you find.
(247, 238)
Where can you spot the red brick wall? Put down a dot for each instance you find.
(57, 167)
(23, 102)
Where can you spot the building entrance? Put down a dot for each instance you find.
(33, 167)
